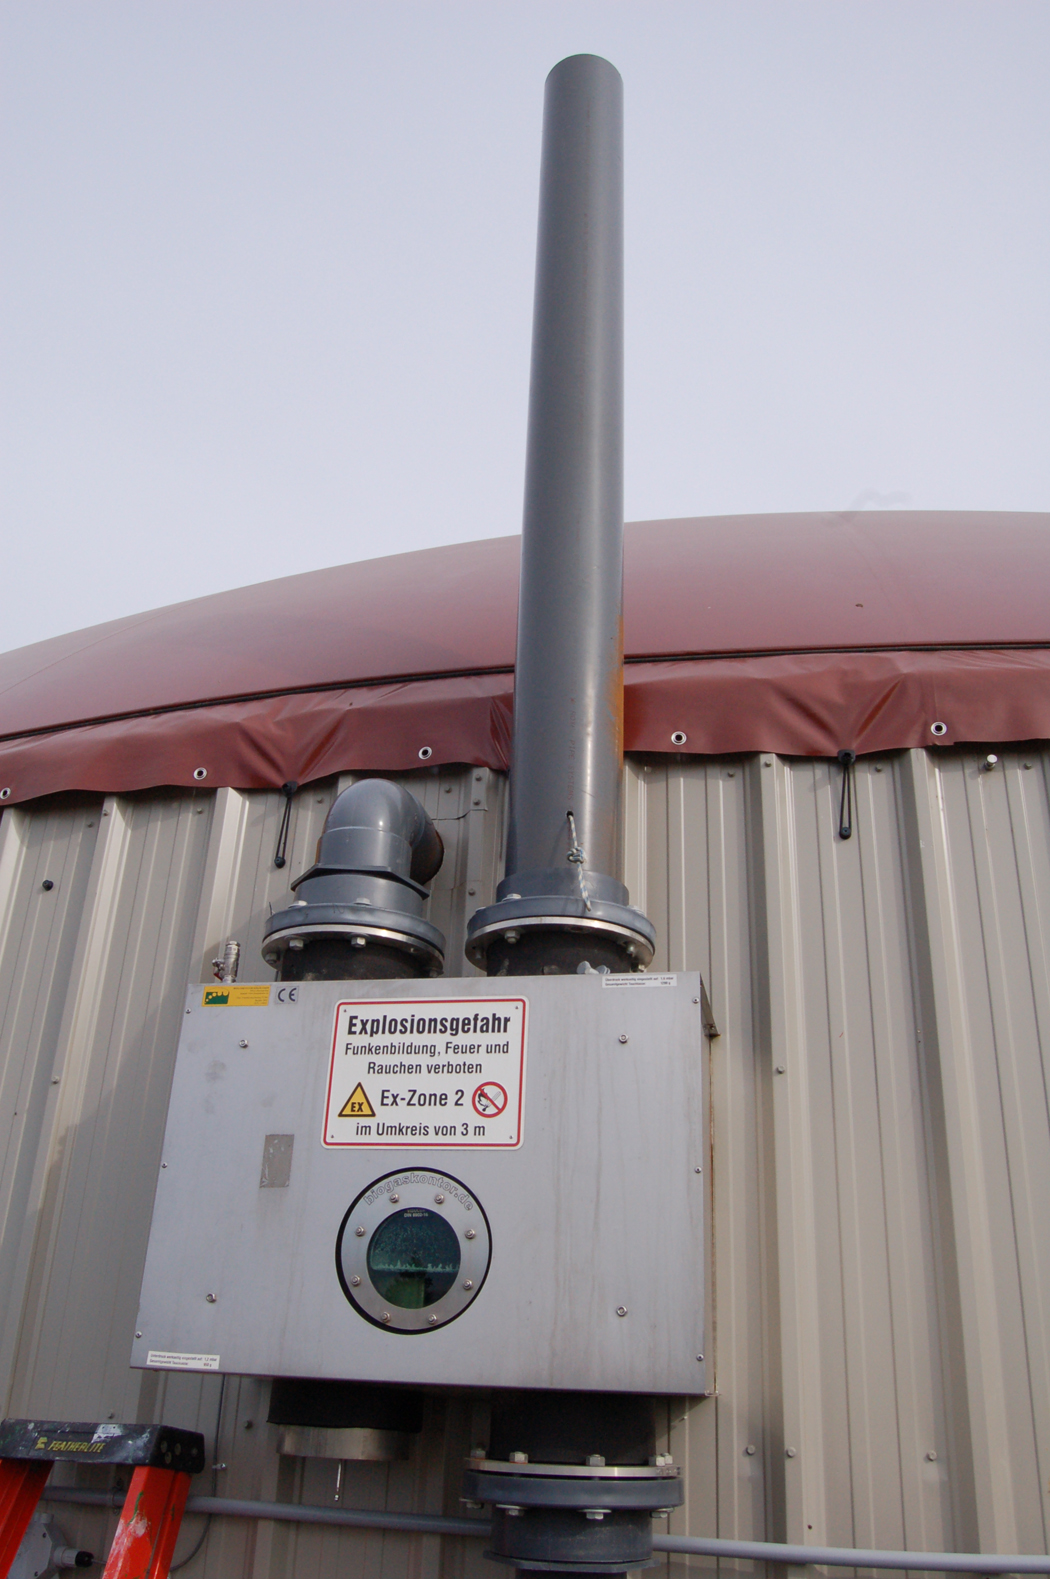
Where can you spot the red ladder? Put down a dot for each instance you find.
(163, 1461)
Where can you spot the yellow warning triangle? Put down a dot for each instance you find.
(357, 1104)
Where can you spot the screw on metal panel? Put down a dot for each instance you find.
(164, 1164)
(878, 767)
(698, 1170)
(938, 728)
(767, 762)
(355, 1282)
(211, 1298)
(469, 1283)
(931, 1456)
(477, 800)
(989, 762)
(138, 1335)
(477, 778)
(200, 773)
(518, 1458)
(242, 1042)
(471, 890)
(359, 1232)
(1028, 764)
(731, 773)
(679, 737)
(621, 1310)
(386, 1315)
(790, 1452)
(394, 1199)
(780, 1069)
(596, 1460)
(750, 1450)
(47, 885)
(470, 1233)
(432, 1320)
(425, 753)
(5, 793)
(699, 1356)
(696, 1000)
(439, 1199)
(55, 1080)
(621, 1038)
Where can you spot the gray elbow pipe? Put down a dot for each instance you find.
(358, 911)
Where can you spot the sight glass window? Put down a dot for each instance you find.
(413, 1258)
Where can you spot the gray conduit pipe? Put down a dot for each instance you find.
(684, 1545)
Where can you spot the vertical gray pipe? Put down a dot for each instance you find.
(568, 693)
(563, 904)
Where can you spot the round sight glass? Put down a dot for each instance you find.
(413, 1258)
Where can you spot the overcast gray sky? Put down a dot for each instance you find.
(268, 273)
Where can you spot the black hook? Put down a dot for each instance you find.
(287, 790)
(846, 761)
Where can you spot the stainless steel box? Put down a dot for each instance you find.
(542, 1138)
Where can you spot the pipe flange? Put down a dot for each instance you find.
(559, 1491)
(290, 928)
(619, 923)
(503, 1466)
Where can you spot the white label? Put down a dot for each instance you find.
(639, 980)
(435, 1072)
(182, 1362)
(105, 1431)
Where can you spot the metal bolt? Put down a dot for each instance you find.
(164, 1164)
(989, 762)
(931, 1456)
(790, 1452)
(622, 1039)
(242, 1042)
(469, 1283)
(138, 1335)
(595, 1513)
(357, 942)
(477, 800)
(596, 1460)
(295, 942)
(767, 762)
(511, 937)
(731, 774)
(477, 1452)
(1028, 764)
(472, 890)
(432, 1320)
(355, 1282)
(439, 1200)
(938, 728)
(359, 1232)
(386, 1316)
(200, 773)
(518, 1458)
(750, 1450)
(679, 737)
(878, 767)
(478, 777)
(699, 1356)
(394, 1199)
(621, 1310)
(47, 885)
(780, 1069)
(470, 1234)
(696, 1000)
(211, 1298)
(698, 1170)
(425, 753)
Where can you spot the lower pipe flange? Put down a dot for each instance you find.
(573, 1518)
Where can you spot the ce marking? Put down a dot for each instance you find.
(288, 994)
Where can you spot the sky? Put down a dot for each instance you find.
(267, 273)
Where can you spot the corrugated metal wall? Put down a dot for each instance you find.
(879, 1313)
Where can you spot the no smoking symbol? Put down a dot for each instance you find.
(489, 1099)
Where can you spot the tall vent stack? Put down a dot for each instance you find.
(563, 905)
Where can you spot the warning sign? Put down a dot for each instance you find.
(357, 1104)
(250, 996)
(442, 1072)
